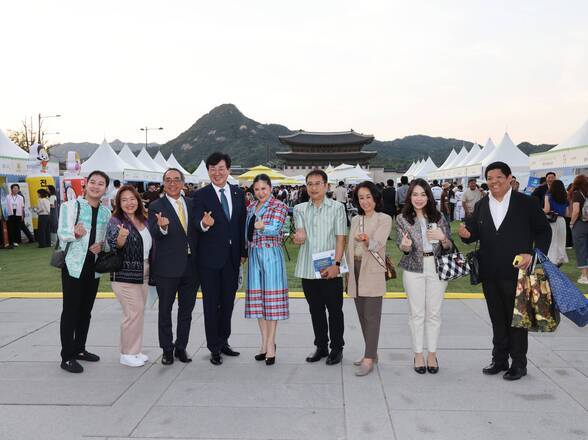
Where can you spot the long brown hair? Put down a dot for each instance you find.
(140, 213)
(580, 183)
(430, 209)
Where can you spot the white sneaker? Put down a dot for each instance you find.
(130, 360)
(143, 357)
(15, 244)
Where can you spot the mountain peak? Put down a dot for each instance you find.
(225, 109)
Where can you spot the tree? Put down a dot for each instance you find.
(25, 136)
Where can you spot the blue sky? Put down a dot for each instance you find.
(464, 69)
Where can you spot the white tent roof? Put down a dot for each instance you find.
(484, 153)
(416, 168)
(201, 174)
(471, 155)
(352, 173)
(509, 153)
(578, 139)
(329, 169)
(449, 159)
(105, 159)
(148, 161)
(10, 149)
(127, 155)
(172, 162)
(410, 168)
(160, 160)
(460, 156)
(427, 167)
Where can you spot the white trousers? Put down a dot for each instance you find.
(425, 296)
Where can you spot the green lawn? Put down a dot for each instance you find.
(26, 269)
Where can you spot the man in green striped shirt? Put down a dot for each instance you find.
(321, 225)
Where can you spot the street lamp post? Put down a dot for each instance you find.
(147, 130)
(41, 117)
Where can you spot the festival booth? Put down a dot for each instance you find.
(149, 163)
(510, 154)
(349, 174)
(428, 167)
(450, 169)
(567, 159)
(139, 172)
(160, 160)
(250, 174)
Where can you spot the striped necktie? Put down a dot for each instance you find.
(182, 215)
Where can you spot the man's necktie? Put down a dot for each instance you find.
(225, 203)
(182, 215)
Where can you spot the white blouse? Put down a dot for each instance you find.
(147, 242)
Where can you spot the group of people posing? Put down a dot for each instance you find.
(182, 243)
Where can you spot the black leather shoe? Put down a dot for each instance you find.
(260, 356)
(515, 373)
(435, 369)
(216, 359)
(87, 356)
(421, 370)
(167, 358)
(182, 356)
(72, 366)
(494, 368)
(270, 361)
(229, 351)
(317, 355)
(335, 357)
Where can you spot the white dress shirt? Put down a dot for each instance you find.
(498, 209)
(217, 189)
(175, 206)
(15, 203)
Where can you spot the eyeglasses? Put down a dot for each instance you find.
(313, 184)
(176, 180)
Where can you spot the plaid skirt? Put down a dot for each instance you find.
(266, 296)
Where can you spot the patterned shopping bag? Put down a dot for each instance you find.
(534, 308)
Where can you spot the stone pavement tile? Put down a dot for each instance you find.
(236, 373)
(12, 331)
(243, 423)
(572, 381)
(366, 413)
(252, 394)
(460, 386)
(16, 305)
(574, 358)
(566, 343)
(488, 425)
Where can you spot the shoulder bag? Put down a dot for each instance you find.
(58, 256)
(390, 271)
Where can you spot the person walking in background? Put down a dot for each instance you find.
(544, 185)
(437, 191)
(555, 206)
(458, 213)
(16, 213)
(444, 203)
(78, 278)
(421, 233)
(579, 225)
(506, 223)
(266, 295)
(129, 233)
(321, 226)
(43, 218)
(388, 199)
(174, 268)
(340, 193)
(220, 218)
(53, 213)
(366, 251)
(401, 192)
(470, 197)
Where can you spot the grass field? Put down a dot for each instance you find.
(26, 269)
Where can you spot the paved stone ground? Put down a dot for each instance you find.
(244, 399)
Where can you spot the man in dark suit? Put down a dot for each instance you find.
(174, 267)
(389, 199)
(507, 223)
(220, 218)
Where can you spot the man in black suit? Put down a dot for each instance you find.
(174, 267)
(220, 218)
(544, 184)
(507, 223)
(389, 199)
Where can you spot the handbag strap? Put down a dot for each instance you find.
(75, 223)
(374, 254)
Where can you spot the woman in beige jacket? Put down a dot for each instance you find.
(368, 236)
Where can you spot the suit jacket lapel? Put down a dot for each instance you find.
(213, 194)
(508, 215)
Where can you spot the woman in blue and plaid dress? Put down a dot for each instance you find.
(266, 297)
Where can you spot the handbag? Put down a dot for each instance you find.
(552, 216)
(473, 259)
(534, 308)
(387, 264)
(567, 297)
(58, 256)
(108, 261)
(451, 264)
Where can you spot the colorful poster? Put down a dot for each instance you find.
(72, 188)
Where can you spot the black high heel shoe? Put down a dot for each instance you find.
(421, 370)
(260, 356)
(271, 360)
(433, 370)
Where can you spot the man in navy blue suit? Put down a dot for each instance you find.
(220, 219)
(174, 264)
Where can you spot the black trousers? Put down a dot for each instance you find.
(186, 287)
(79, 295)
(16, 224)
(323, 295)
(218, 298)
(44, 231)
(506, 340)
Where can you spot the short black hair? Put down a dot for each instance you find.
(435, 182)
(317, 172)
(176, 170)
(263, 178)
(376, 195)
(550, 173)
(43, 193)
(116, 183)
(341, 183)
(504, 168)
(216, 157)
(404, 180)
(472, 179)
(15, 185)
(101, 174)
(390, 182)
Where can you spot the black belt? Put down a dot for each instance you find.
(428, 254)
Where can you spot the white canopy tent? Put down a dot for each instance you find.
(160, 160)
(127, 155)
(172, 162)
(349, 174)
(200, 175)
(409, 170)
(149, 163)
(416, 169)
(428, 167)
(471, 155)
(10, 149)
(489, 147)
(449, 159)
(508, 152)
(105, 159)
